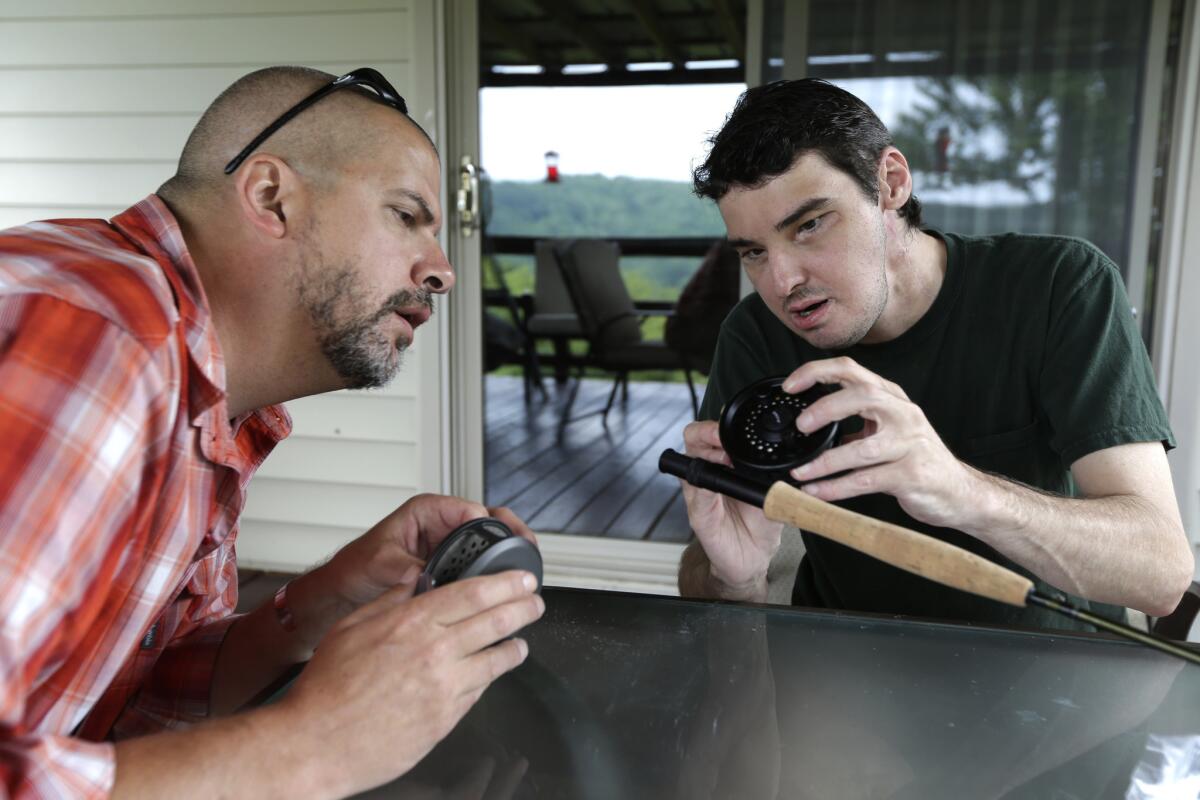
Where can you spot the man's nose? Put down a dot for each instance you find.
(433, 271)
(788, 273)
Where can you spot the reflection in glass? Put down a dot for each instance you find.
(642, 697)
(1014, 116)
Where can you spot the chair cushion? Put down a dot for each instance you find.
(554, 325)
(591, 270)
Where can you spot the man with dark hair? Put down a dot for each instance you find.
(142, 364)
(1005, 397)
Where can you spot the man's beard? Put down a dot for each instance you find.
(354, 344)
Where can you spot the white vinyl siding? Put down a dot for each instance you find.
(96, 100)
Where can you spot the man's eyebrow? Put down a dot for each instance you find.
(807, 207)
(426, 211)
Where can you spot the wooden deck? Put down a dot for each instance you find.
(584, 477)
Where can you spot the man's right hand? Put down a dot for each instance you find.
(738, 539)
(394, 677)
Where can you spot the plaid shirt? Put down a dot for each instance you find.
(121, 482)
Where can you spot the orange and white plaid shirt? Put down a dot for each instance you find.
(121, 482)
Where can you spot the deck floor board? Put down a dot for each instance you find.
(585, 477)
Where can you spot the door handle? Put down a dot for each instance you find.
(468, 197)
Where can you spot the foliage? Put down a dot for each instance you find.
(1064, 138)
(593, 205)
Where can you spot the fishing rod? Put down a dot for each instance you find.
(906, 549)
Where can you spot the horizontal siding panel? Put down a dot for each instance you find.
(368, 36)
(97, 139)
(263, 544)
(181, 90)
(368, 463)
(85, 184)
(312, 503)
(11, 216)
(355, 415)
(54, 9)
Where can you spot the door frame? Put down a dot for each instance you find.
(570, 560)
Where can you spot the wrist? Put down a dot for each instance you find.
(991, 512)
(741, 585)
(306, 607)
(303, 747)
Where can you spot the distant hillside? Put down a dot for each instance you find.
(593, 205)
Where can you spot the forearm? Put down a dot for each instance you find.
(1120, 549)
(262, 753)
(696, 579)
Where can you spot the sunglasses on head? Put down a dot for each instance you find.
(363, 77)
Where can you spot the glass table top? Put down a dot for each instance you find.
(632, 696)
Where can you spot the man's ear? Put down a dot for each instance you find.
(895, 181)
(267, 190)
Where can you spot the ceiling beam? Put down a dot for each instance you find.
(511, 37)
(647, 15)
(571, 25)
(731, 27)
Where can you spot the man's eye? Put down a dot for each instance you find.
(404, 216)
(812, 225)
(751, 255)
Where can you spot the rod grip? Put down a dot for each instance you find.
(908, 550)
(714, 477)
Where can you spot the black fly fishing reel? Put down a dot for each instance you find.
(480, 547)
(758, 430)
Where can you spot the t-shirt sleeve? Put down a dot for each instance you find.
(1098, 387)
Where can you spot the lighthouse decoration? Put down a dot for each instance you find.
(551, 166)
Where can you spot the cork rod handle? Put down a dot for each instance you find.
(903, 548)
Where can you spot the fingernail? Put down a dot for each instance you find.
(803, 421)
(802, 470)
(811, 488)
(411, 574)
(523, 646)
(529, 581)
(540, 603)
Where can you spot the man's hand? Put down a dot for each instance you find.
(738, 540)
(388, 682)
(382, 557)
(1121, 542)
(376, 561)
(394, 677)
(898, 453)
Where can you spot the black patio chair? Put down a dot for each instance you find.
(609, 321)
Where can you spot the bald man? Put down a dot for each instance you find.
(142, 364)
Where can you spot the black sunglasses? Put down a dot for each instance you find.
(363, 76)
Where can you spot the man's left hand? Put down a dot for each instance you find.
(390, 554)
(378, 560)
(897, 453)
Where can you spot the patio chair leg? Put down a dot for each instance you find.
(565, 417)
(624, 388)
(692, 388)
(611, 396)
(533, 375)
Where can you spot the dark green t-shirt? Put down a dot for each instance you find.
(1028, 359)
